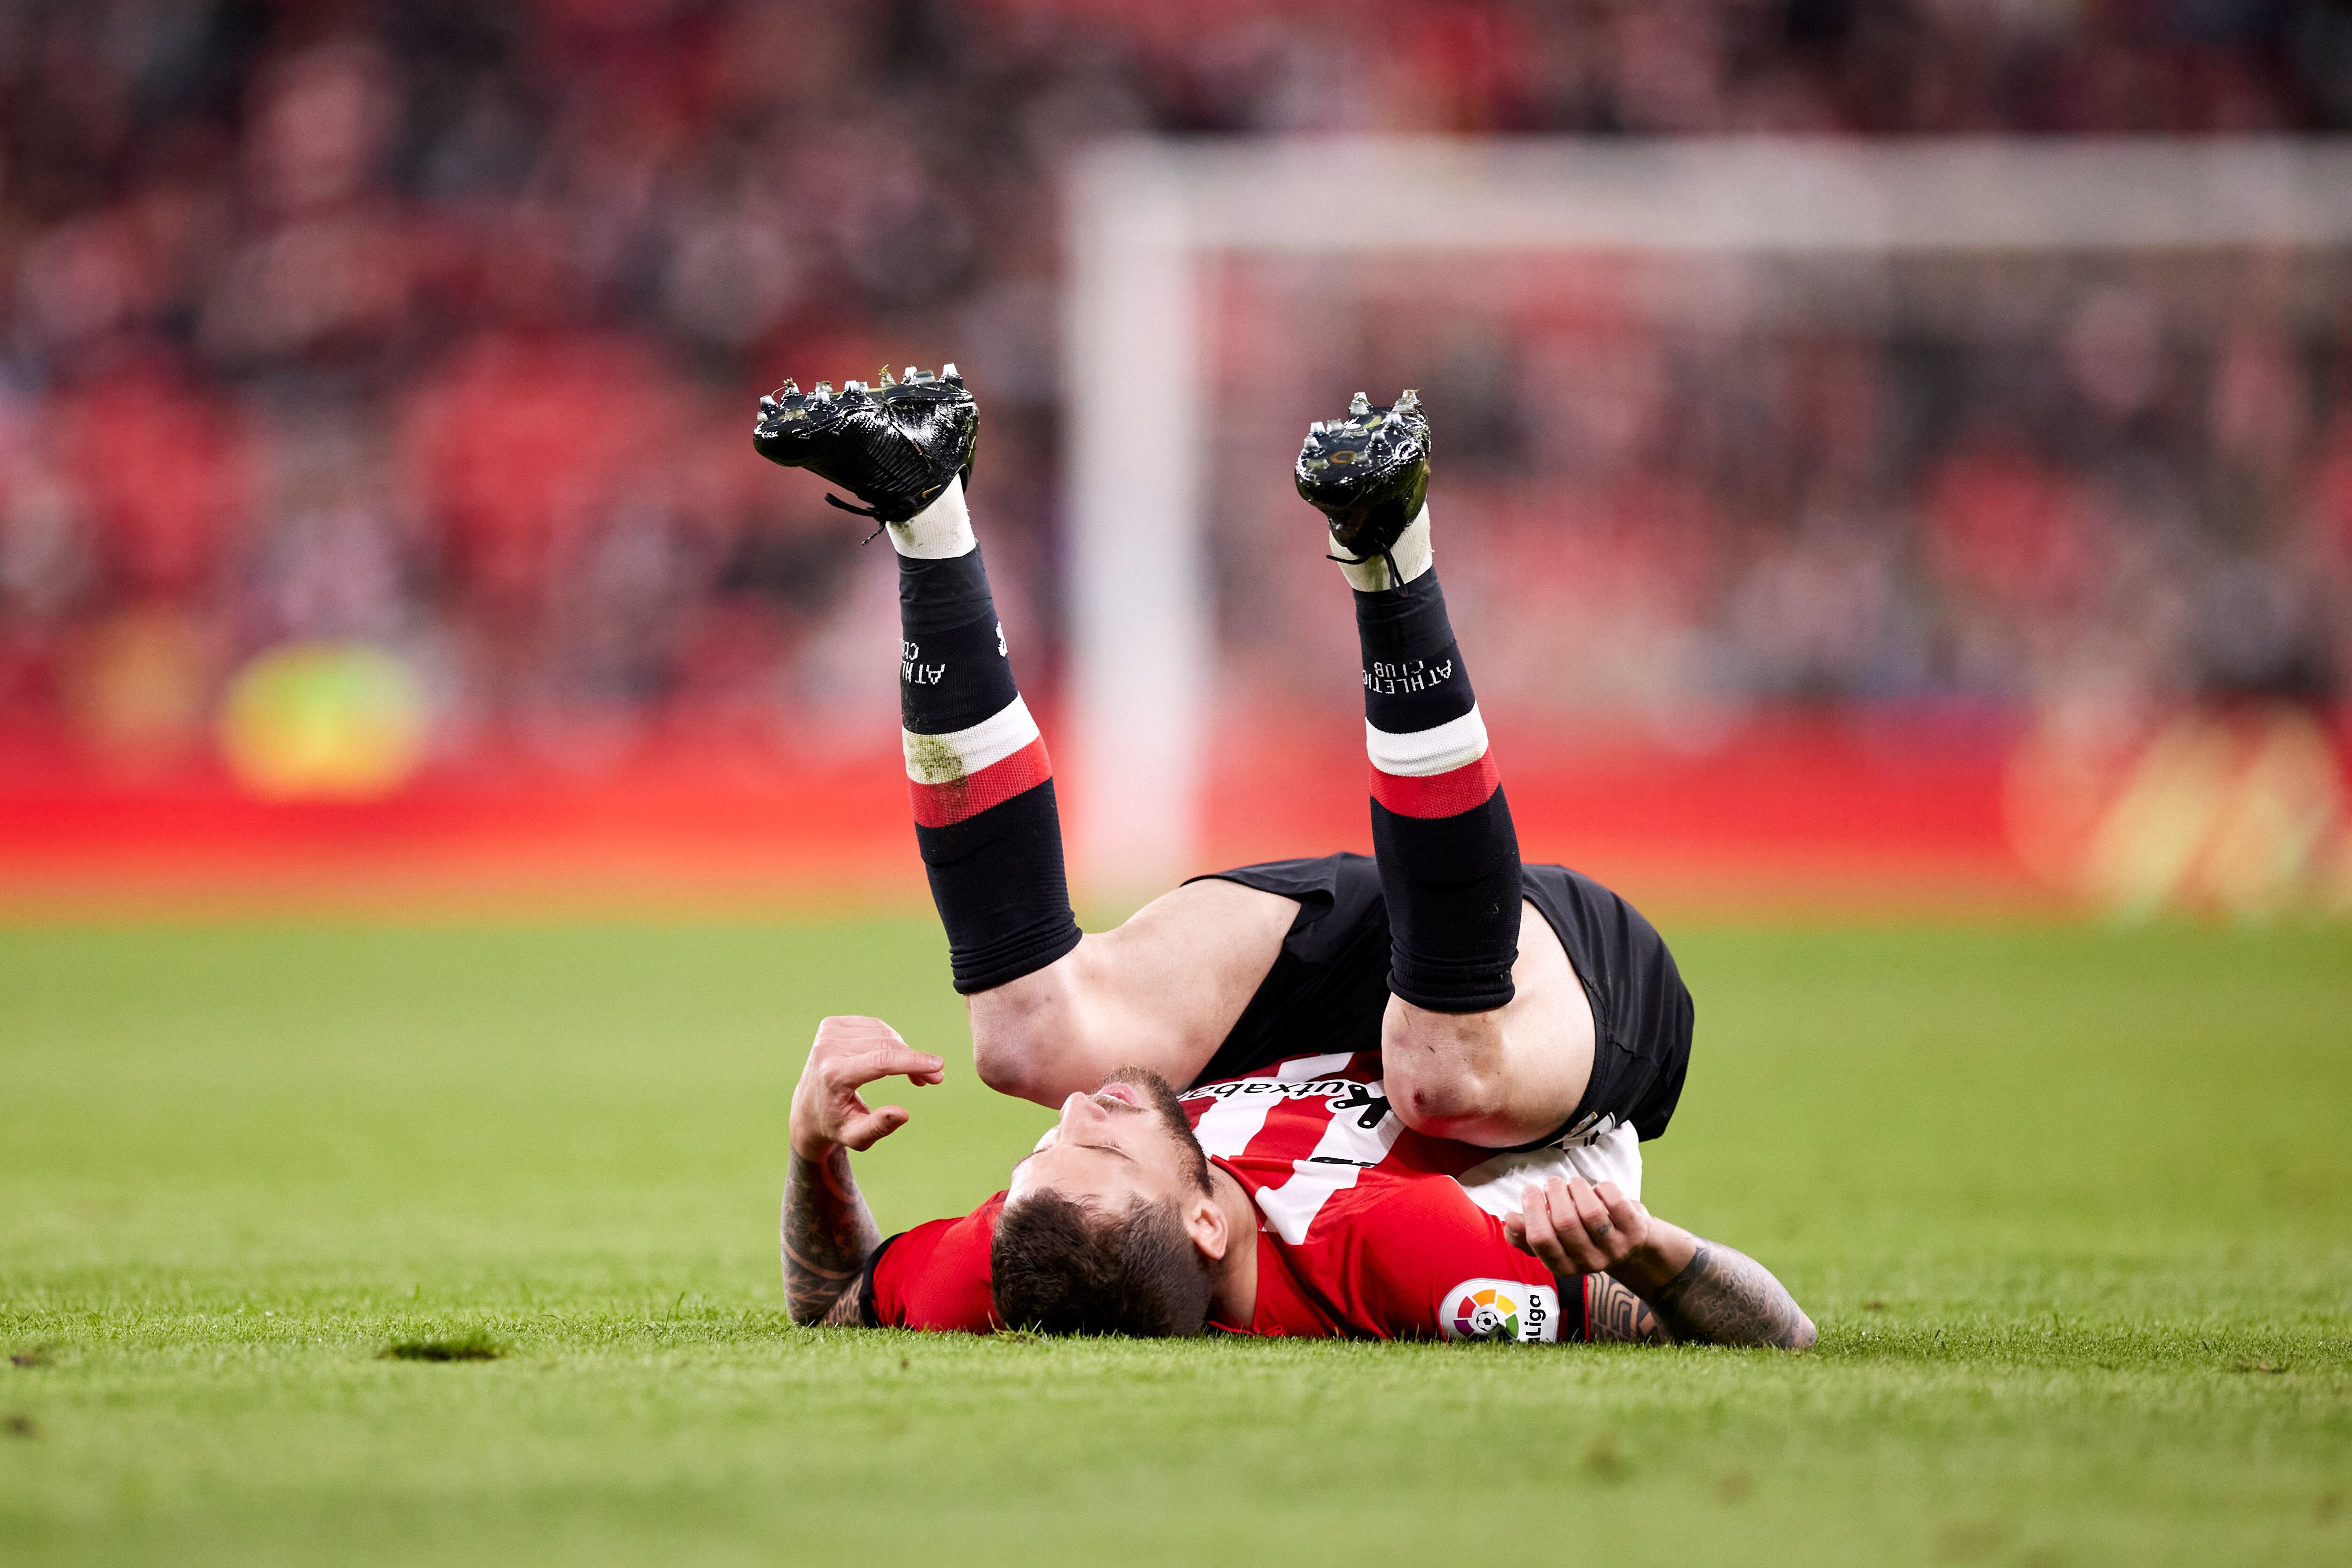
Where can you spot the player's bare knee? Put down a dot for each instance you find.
(1440, 1093)
(1038, 1064)
(1447, 1107)
(1445, 1072)
(1024, 1037)
(1008, 1065)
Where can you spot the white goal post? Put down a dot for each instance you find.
(1142, 217)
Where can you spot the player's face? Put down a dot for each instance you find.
(1127, 1141)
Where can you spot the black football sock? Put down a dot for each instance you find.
(981, 785)
(1449, 858)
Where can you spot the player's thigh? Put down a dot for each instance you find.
(1178, 974)
(1549, 1017)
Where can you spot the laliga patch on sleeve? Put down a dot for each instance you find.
(1500, 1310)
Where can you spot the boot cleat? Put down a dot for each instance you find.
(895, 445)
(1368, 474)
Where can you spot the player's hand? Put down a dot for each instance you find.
(849, 1054)
(1574, 1227)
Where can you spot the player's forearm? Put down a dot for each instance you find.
(827, 1232)
(1703, 1290)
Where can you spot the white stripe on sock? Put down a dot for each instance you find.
(943, 759)
(941, 532)
(1425, 753)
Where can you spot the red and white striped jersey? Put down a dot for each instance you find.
(1367, 1229)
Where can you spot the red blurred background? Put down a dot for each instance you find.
(377, 516)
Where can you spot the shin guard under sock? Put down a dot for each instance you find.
(1442, 831)
(977, 772)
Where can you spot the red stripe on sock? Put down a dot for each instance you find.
(1439, 795)
(945, 805)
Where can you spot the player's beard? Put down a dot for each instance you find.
(1160, 1097)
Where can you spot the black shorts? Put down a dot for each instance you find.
(1329, 985)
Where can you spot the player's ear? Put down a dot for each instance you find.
(1204, 1222)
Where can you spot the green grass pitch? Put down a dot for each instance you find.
(2073, 1208)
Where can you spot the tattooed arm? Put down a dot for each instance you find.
(827, 1232)
(1650, 1281)
(1614, 1315)
(1720, 1297)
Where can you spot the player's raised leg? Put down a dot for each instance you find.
(1052, 1011)
(978, 775)
(1481, 1043)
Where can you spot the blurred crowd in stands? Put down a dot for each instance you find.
(2089, 487)
(435, 326)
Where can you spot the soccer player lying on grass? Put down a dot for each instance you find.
(1386, 1083)
(1330, 1220)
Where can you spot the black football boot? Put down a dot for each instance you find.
(1368, 474)
(895, 447)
